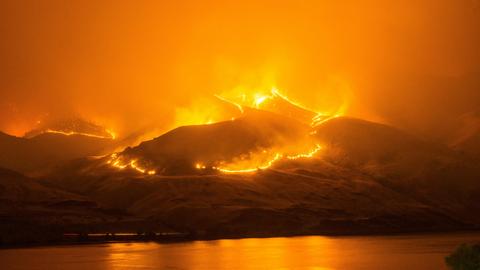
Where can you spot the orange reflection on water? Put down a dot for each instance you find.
(252, 253)
(426, 252)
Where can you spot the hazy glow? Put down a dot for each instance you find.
(240, 108)
(151, 65)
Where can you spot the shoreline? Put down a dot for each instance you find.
(189, 238)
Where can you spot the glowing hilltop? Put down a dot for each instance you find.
(276, 127)
(70, 127)
(275, 101)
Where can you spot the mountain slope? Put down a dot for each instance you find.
(368, 178)
(431, 173)
(46, 150)
(466, 138)
(177, 151)
(20, 189)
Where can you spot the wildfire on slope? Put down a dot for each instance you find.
(250, 165)
(248, 162)
(111, 136)
(275, 101)
(240, 108)
(71, 126)
(118, 162)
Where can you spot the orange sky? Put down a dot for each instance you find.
(414, 64)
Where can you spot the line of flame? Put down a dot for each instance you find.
(259, 99)
(114, 161)
(239, 107)
(267, 165)
(318, 118)
(277, 93)
(306, 155)
(70, 133)
(262, 167)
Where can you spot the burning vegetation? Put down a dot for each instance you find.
(262, 130)
(72, 126)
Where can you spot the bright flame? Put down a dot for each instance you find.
(317, 119)
(276, 93)
(259, 99)
(116, 162)
(305, 155)
(239, 107)
(266, 165)
(278, 156)
(70, 133)
(112, 134)
(204, 111)
(206, 116)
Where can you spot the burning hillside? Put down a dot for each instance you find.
(54, 142)
(276, 102)
(272, 160)
(252, 140)
(333, 185)
(71, 126)
(272, 129)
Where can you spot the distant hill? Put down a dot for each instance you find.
(428, 171)
(466, 138)
(70, 124)
(17, 188)
(46, 150)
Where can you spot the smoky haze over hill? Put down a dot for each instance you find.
(413, 64)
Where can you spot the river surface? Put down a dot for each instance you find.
(405, 252)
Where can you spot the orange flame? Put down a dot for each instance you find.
(266, 165)
(70, 133)
(278, 156)
(243, 166)
(259, 99)
(116, 162)
(240, 108)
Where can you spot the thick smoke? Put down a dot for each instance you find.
(128, 66)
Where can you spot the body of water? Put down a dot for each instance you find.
(405, 252)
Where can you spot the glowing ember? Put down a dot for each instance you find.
(200, 166)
